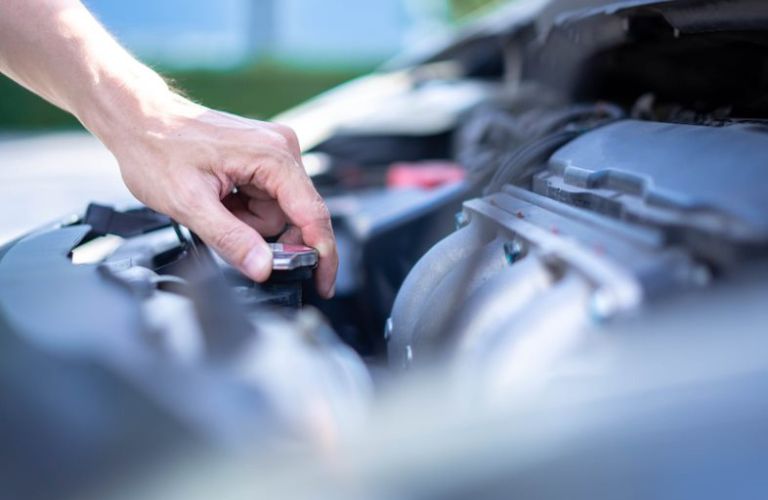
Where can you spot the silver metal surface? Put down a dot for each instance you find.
(471, 292)
(291, 257)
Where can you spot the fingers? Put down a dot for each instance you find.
(307, 211)
(265, 216)
(291, 236)
(275, 169)
(290, 137)
(284, 180)
(234, 240)
(271, 219)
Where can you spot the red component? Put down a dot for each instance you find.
(425, 175)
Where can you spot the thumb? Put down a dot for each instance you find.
(235, 241)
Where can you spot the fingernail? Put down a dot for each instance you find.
(258, 263)
(331, 291)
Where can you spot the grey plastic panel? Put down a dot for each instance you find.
(711, 179)
(63, 306)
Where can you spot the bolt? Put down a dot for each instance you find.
(461, 220)
(513, 251)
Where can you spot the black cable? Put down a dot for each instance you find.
(528, 158)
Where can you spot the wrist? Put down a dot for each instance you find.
(128, 106)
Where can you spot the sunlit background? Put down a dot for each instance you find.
(256, 57)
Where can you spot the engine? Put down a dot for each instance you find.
(613, 222)
(553, 238)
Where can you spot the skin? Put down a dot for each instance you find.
(232, 180)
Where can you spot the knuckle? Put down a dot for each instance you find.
(315, 213)
(279, 145)
(283, 130)
(322, 214)
(288, 134)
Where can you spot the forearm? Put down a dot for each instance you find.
(58, 50)
(177, 157)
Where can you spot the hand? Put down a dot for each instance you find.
(177, 157)
(231, 180)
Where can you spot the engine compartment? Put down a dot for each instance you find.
(562, 178)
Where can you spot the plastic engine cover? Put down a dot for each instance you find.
(701, 184)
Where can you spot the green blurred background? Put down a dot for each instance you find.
(256, 83)
(260, 91)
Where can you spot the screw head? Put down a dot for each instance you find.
(513, 251)
(461, 220)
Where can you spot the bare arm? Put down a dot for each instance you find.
(176, 156)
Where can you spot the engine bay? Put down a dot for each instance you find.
(562, 181)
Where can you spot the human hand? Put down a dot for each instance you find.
(177, 157)
(231, 180)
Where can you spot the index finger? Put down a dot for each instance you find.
(301, 203)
